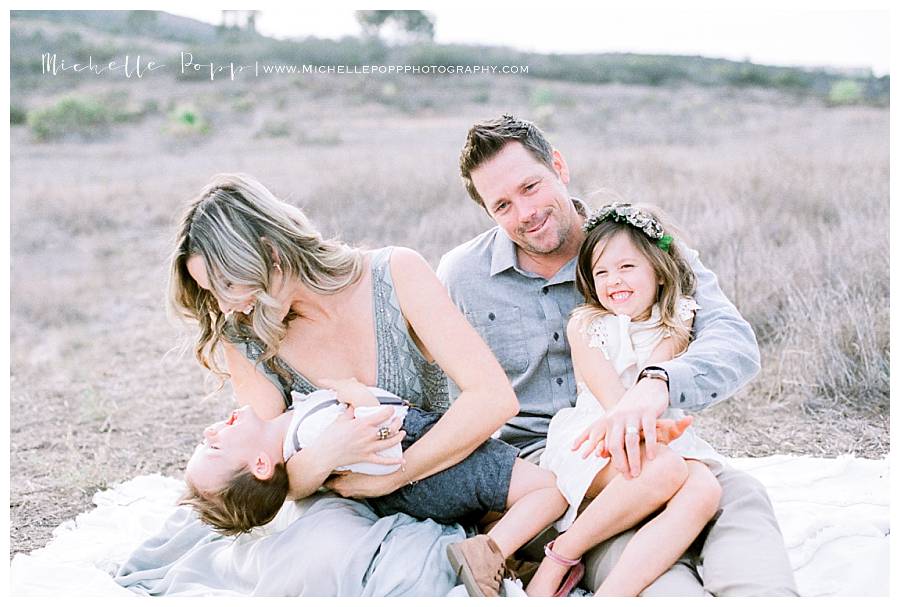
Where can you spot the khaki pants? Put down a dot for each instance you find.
(743, 553)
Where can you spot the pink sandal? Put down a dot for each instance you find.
(574, 575)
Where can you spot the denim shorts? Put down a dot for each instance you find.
(463, 493)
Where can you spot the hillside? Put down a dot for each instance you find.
(77, 34)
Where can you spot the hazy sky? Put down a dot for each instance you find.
(807, 34)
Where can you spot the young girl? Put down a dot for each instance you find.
(637, 312)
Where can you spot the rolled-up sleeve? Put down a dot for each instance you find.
(723, 355)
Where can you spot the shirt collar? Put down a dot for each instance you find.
(503, 251)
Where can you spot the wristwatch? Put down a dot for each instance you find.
(654, 373)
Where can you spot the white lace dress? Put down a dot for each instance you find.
(627, 345)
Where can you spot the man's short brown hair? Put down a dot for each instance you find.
(244, 503)
(487, 138)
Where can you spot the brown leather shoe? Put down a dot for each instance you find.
(519, 569)
(479, 564)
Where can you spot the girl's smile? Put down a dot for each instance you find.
(624, 278)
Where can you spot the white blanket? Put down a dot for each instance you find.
(834, 514)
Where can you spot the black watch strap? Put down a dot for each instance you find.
(654, 373)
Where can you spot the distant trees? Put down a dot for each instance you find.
(418, 25)
(239, 20)
(236, 25)
(141, 21)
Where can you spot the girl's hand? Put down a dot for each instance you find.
(667, 430)
(349, 440)
(592, 437)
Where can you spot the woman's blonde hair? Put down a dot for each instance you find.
(671, 268)
(242, 231)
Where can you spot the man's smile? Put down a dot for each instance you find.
(539, 225)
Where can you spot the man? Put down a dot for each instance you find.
(516, 285)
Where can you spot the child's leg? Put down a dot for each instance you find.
(532, 505)
(662, 541)
(620, 504)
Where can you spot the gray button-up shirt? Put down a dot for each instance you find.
(522, 316)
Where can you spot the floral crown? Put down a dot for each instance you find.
(623, 212)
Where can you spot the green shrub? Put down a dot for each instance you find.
(845, 92)
(187, 121)
(749, 74)
(274, 129)
(17, 115)
(243, 103)
(72, 115)
(149, 106)
(324, 137)
(542, 96)
(121, 108)
(793, 79)
(481, 97)
(653, 70)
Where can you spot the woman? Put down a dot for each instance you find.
(287, 308)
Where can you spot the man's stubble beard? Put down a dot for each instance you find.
(563, 227)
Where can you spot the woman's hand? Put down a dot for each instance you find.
(349, 440)
(357, 486)
(592, 439)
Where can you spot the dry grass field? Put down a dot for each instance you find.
(785, 197)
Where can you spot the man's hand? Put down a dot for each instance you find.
(637, 410)
(355, 485)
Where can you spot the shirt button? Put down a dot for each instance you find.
(559, 381)
(491, 316)
(555, 336)
(545, 290)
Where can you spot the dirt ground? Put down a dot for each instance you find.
(100, 391)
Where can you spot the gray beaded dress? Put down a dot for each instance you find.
(401, 368)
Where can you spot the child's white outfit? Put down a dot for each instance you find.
(462, 493)
(627, 345)
(315, 411)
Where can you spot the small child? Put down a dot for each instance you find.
(637, 312)
(237, 479)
